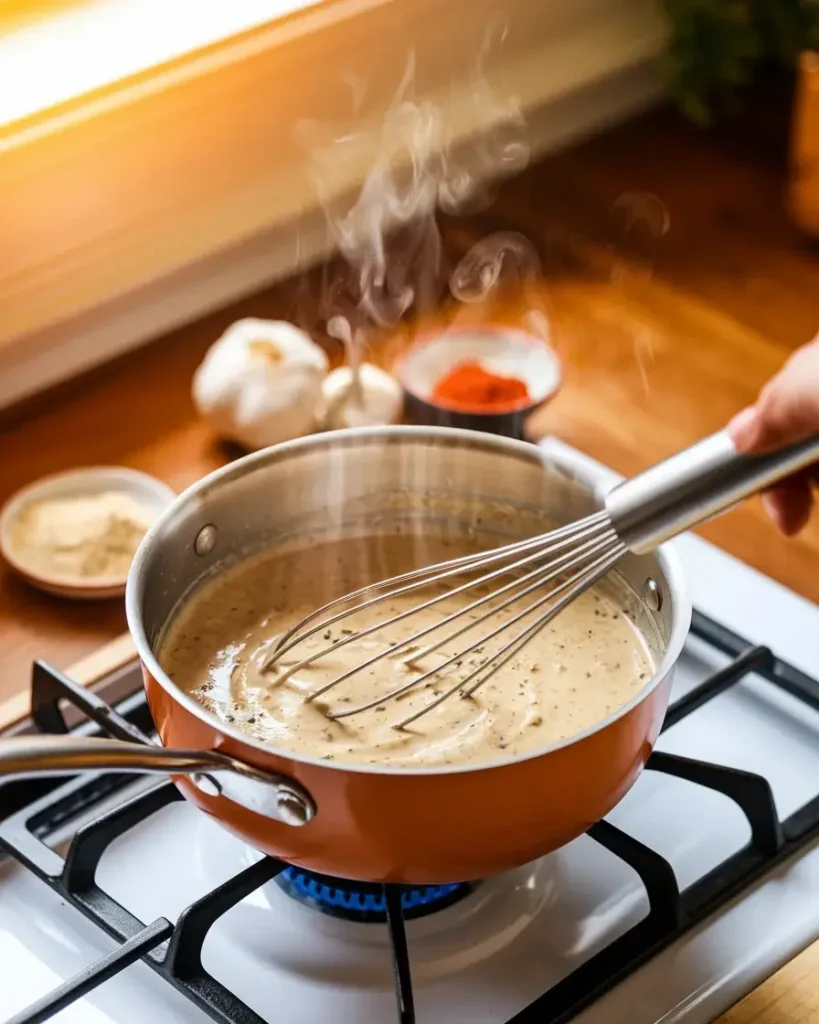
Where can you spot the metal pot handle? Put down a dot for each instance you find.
(696, 485)
(214, 773)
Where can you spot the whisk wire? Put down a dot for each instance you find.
(442, 570)
(587, 578)
(609, 546)
(540, 575)
(546, 549)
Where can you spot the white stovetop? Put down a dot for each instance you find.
(484, 959)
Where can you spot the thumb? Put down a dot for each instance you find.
(746, 429)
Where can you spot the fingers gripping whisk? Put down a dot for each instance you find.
(507, 596)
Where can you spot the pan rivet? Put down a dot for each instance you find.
(206, 784)
(205, 540)
(292, 809)
(652, 595)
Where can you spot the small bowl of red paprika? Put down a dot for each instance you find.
(489, 378)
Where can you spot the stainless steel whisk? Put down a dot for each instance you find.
(639, 514)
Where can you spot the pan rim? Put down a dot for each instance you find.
(667, 556)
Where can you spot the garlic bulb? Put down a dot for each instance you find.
(378, 403)
(260, 383)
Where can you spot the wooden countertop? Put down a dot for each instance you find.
(788, 997)
(661, 340)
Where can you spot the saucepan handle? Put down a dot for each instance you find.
(696, 485)
(216, 774)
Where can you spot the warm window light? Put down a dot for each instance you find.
(59, 51)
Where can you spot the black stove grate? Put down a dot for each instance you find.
(33, 810)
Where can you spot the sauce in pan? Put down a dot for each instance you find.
(582, 667)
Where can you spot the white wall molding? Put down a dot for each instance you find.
(133, 214)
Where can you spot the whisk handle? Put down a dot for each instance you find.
(696, 485)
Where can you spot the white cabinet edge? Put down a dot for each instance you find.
(614, 77)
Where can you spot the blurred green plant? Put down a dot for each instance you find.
(718, 48)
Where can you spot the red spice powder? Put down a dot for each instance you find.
(470, 385)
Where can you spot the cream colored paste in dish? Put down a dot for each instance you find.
(574, 673)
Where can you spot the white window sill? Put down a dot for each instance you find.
(147, 202)
(87, 45)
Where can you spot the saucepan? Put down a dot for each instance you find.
(424, 825)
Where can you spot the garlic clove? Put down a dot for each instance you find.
(381, 399)
(260, 383)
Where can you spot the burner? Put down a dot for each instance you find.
(364, 901)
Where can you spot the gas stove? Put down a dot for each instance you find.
(119, 901)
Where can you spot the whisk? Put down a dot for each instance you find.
(682, 492)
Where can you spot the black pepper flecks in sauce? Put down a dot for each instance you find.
(564, 681)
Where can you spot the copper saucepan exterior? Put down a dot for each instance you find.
(421, 826)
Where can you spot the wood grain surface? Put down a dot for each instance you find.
(92, 668)
(662, 340)
(791, 996)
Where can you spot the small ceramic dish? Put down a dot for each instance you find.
(505, 351)
(149, 492)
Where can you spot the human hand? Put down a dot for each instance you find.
(786, 411)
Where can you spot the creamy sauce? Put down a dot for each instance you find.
(582, 667)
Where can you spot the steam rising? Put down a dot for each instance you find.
(503, 258)
(388, 235)
(644, 220)
(339, 327)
